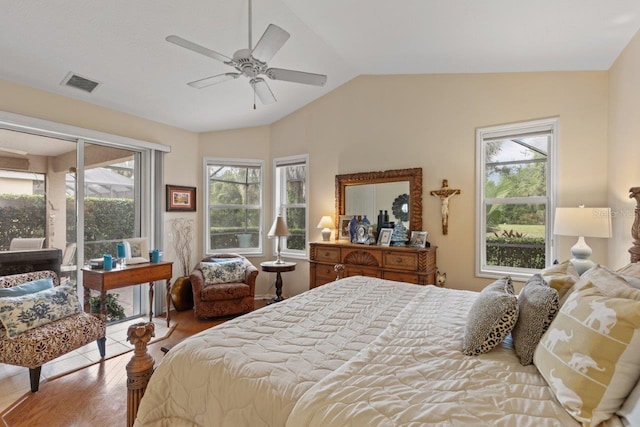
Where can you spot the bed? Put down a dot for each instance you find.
(358, 351)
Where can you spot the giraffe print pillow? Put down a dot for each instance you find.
(589, 354)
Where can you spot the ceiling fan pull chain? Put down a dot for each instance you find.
(253, 85)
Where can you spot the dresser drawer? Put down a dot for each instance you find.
(401, 277)
(325, 272)
(401, 261)
(328, 255)
(356, 270)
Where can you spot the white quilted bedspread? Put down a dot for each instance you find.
(250, 371)
(415, 374)
(357, 352)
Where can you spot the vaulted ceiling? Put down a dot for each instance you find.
(121, 44)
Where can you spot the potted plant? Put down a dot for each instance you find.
(181, 292)
(115, 311)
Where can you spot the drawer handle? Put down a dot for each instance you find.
(399, 260)
(327, 253)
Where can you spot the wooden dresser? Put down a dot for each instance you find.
(405, 264)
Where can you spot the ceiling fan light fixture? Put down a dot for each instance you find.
(252, 63)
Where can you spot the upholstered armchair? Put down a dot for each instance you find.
(42, 321)
(223, 299)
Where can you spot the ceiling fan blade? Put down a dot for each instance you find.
(296, 76)
(210, 81)
(263, 91)
(270, 43)
(197, 48)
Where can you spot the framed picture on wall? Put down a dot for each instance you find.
(181, 198)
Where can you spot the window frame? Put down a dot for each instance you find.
(519, 129)
(279, 201)
(232, 162)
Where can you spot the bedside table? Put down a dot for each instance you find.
(272, 267)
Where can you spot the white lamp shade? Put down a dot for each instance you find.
(583, 222)
(326, 222)
(279, 228)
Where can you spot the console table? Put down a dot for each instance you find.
(130, 275)
(333, 260)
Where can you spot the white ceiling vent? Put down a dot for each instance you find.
(76, 81)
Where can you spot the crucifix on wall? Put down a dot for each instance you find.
(445, 193)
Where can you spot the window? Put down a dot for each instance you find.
(515, 197)
(234, 205)
(291, 201)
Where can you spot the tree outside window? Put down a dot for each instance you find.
(234, 206)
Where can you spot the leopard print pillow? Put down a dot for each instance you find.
(491, 317)
(538, 304)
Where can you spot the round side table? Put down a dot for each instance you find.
(272, 267)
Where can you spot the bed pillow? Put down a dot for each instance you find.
(538, 305)
(630, 410)
(22, 313)
(560, 277)
(589, 354)
(27, 288)
(491, 317)
(223, 272)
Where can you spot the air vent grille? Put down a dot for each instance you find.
(76, 81)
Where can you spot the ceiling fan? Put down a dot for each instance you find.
(252, 63)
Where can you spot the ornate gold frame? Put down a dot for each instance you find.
(413, 176)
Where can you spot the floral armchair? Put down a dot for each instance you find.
(223, 291)
(40, 326)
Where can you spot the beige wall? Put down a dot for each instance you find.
(624, 147)
(379, 123)
(429, 121)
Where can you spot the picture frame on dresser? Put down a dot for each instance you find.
(418, 239)
(384, 239)
(343, 227)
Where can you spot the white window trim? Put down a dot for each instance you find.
(522, 128)
(253, 252)
(284, 161)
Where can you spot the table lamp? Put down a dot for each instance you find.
(278, 229)
(582, 222)
(326, 223)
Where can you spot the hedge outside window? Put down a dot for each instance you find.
(291, 201)
(515, 193)
(234, 205)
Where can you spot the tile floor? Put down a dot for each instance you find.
(14, 380)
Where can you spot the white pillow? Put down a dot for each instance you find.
(630, 410)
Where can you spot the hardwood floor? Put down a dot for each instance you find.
(97, 395)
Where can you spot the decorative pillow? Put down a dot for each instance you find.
(27, 288)
(631, 269)
(560, 277)
(538, 305)
(589, 355)
(19, 314)
(491, 317)
(223, 272)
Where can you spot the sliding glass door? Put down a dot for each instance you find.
(82, 196)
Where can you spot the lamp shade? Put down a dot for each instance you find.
(585, 222)
(326, 222)
(279, 228)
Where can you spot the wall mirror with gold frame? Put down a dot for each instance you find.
(367, 193)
